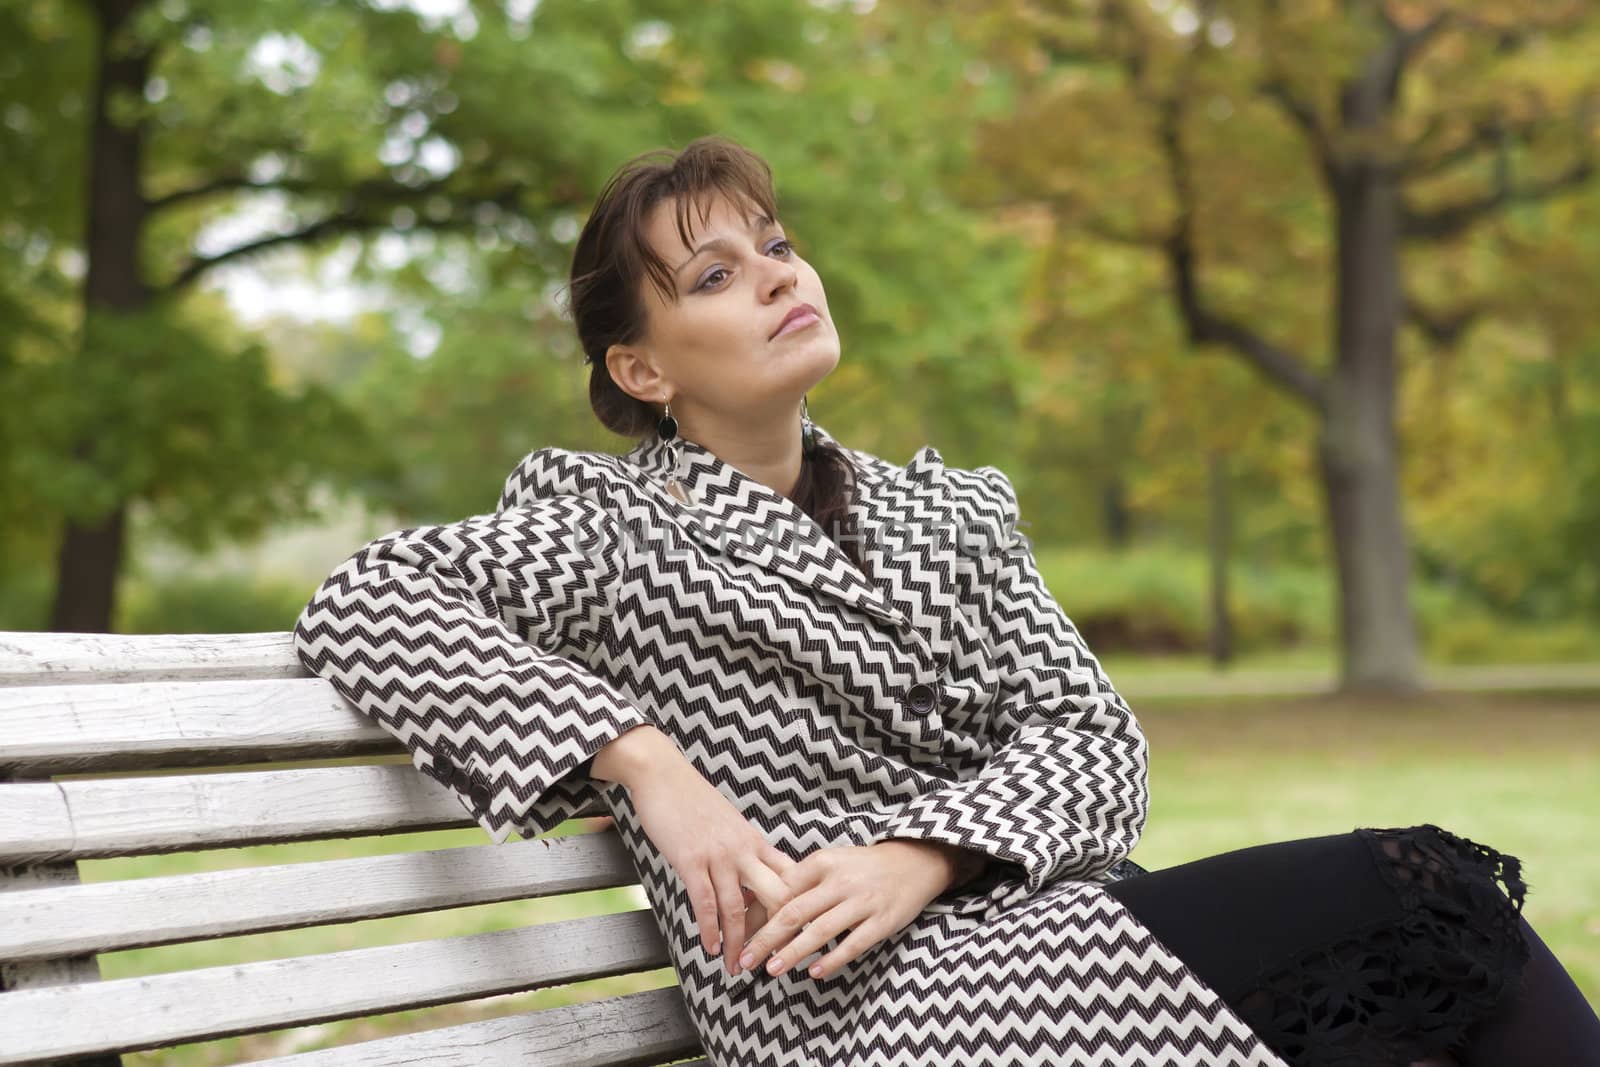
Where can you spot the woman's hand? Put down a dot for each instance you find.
(872, 890)
(710, 843)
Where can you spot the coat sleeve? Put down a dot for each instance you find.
(1064, 793)
(465, 641)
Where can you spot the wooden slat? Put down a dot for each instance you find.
(95, 703)
(91, 818)
(18, 974)
(648, 1027)
(47, 730)
(43, 923)
(151, 1011)
(54, 658)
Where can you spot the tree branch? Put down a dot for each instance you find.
(1491, 134)
(1276, 88)
(1278, 365)
(1300, 111)
(1452, 219)
(1444, 328)
(370, 188)
(1486, 134)
(223, 184)
(1105, 231)
(360, 217)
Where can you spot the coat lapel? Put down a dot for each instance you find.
(900, 512)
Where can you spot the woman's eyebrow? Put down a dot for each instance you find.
(760, 224)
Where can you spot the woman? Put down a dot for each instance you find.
(847, 735)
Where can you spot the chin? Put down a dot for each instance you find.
(820, 363)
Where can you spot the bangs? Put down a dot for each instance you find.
(695, 190)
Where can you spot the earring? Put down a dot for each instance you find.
(667, 430)
(808, 429)
(667, 426)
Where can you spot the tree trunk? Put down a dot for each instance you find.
(1118, 520)
(91, 551)
(1358, 448)
(1222, 650)
(87, 565)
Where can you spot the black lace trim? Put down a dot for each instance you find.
(1401, 991)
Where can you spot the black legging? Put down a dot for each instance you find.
(1378, 948)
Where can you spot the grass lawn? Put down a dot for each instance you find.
(1518, 772)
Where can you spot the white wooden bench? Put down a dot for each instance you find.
(133, 745)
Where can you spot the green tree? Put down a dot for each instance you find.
(484, 132)
(1295, 169)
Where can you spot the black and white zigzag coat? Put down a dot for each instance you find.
(946, 697)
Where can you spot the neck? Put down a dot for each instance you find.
(770, 454)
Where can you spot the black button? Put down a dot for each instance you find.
(920, 697)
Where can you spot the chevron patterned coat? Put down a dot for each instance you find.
(945, 698)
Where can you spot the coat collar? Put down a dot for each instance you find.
(743, 517)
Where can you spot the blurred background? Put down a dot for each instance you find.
(1281, 316)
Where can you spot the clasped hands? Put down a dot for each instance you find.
(870, 890)
(794, 906)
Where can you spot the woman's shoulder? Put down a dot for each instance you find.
(983, 496)
(552, 471)
(871, 467)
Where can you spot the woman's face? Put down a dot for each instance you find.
(713, 352)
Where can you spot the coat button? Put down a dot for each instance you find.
(920, 697)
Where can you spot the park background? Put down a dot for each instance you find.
(1281, 317)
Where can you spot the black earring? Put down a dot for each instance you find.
(667, 426)
(808, 431)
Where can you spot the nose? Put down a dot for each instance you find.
(784, 277)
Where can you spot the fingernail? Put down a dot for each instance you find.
(716, 946)
(775, 966)
(747, 959)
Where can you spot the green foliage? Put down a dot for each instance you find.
(458, 154)
(1484, 639)
(151, 408)
(25, 598)
(920, 150)
(1155, 600)
(836, 101)
(1496, 423)
(224, 604)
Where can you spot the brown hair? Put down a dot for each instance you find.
(612, 262)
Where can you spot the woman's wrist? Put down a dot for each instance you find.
(631, 753)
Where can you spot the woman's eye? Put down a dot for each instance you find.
(785, 244)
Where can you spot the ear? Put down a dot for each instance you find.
(635, 372)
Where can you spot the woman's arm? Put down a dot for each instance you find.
(1065, 792)
(461, 641)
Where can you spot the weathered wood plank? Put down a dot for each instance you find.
(89, 818)
(156, 725)
(648, 1027)
(45, 658)
(63, 969)
(46, 922)
(127, 1014)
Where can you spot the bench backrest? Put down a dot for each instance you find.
(117, 746)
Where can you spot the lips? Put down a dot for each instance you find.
(799, 311)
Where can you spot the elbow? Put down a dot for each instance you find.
(1141, 746)
(300, 636)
